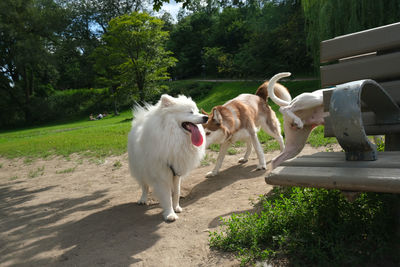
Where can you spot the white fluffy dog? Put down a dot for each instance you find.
(165, 144)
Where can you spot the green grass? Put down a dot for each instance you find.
(35, 173)
(314, 227)
(69, 170)
(94, 138)
(109, 136)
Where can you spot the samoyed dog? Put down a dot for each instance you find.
(164, 145)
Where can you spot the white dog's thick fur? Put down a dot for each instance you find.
(239, 120)
(300, 116)
(165, 144)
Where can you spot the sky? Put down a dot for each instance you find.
(172, 7)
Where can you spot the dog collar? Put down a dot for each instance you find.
(173, 170)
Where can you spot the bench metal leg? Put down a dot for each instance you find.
(346, 119)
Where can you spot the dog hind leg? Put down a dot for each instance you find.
(275, 132)
(288, 112)
(259, 151)
(248, 152)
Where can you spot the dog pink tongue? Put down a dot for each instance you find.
(197, 138)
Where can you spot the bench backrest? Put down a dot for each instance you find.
(371, 54)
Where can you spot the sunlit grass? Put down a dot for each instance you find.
(108, 136)
(95, 138)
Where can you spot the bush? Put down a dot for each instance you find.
(304, 226)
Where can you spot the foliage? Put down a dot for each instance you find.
(67, 105)
(29, 31)
(326, 19)
(303, 226)
(135, 50)
(248, 39)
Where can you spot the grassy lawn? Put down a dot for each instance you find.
(94, 138)
(109, 136)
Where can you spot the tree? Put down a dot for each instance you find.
(135, 47)
(29, 33)
(330, 18)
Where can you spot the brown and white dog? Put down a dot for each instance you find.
(300, 116)
(239, 120)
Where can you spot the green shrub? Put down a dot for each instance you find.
(304, 226)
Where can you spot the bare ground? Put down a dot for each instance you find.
(83, 212)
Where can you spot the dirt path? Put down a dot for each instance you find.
(79, 212)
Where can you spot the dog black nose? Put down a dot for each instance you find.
(205, 119)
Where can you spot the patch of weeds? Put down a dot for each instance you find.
(207, 160)
(97, 161)
(271, 145)
(28, 161)
(69, 170)
(379, 141)
(15, 177)
(117, 165)
(314, 227)
(239, 144)
(232, 151)
(214, 147)
(1, 165)
(317, 138)
(35, 173)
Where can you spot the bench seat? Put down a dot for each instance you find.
(330, 170)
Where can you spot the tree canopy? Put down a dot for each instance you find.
(48, 46)
(134, 46)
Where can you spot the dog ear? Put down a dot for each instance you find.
(217, 117)
(204, 113)
(167, 100)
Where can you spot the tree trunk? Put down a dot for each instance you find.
(114, 92)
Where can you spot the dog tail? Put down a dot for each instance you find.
(279, 90)
(282, 99)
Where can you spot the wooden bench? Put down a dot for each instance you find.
(363, 70)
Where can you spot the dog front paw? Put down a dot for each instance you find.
(142, 202)
(211, 174)
(261, 167)
(171, 217)
(178, 209)
(243, 160)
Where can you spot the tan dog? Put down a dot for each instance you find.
(239, 120)
(300, 116)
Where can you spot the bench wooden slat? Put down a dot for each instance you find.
(393, 89)
(343, 178)
(386, 155)
(376, 39)
(335, 159)
(384, 67)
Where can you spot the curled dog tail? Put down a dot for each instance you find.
(280, 91)
(282, 99)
